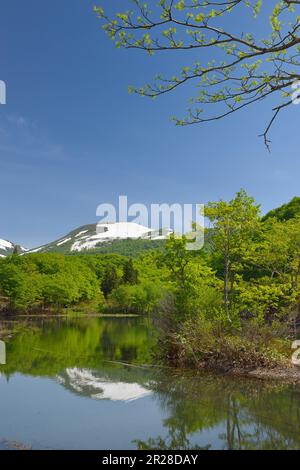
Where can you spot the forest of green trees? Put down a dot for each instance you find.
(237, 298)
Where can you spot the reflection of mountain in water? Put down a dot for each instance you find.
(99, 386)
(195, 410)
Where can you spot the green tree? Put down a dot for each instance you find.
(141, 298)
(176, 258)
(21, 289)
(286, 211)
(59, 291)
(233, 67)
(191, 280)
(110, 280)
(46, 280)
(235, 229)
(130, 274)
(273, 288)
(17, 250)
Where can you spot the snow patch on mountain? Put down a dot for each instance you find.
(6, 245)
(81, 233)
(35, 250)
(89, 237)
(64, 241)
(105, 232)
(7, 248)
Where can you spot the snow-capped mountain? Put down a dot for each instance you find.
(7, 248)
(93, 384)
(90, 237)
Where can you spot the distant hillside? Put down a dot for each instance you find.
(129, 247)
(7, 248)
(286, 211)
(125, 238)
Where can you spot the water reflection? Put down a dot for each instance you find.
(144, 407)
(100, 386)
(243, 414)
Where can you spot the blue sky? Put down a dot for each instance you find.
(71, 137)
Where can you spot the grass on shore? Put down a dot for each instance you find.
(198, 345)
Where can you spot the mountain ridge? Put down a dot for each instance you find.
(111, 237)
(7, 248)
(91, 238)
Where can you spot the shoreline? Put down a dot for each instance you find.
(72, 315)
(288, 374)
(9, 318)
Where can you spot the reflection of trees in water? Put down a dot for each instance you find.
(45, 347)
(248, 429)
(176, 440)
(251, 414)
(241, 414)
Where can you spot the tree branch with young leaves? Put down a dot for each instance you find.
(244, 67)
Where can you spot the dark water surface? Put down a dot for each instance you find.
(64, 387)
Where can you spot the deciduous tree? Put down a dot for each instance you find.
(244, 50)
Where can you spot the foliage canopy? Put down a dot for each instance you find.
(245, 50)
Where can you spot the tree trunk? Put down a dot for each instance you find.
(226, 287)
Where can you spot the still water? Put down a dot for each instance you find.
(65, 386)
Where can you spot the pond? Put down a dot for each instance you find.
(87, 384)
